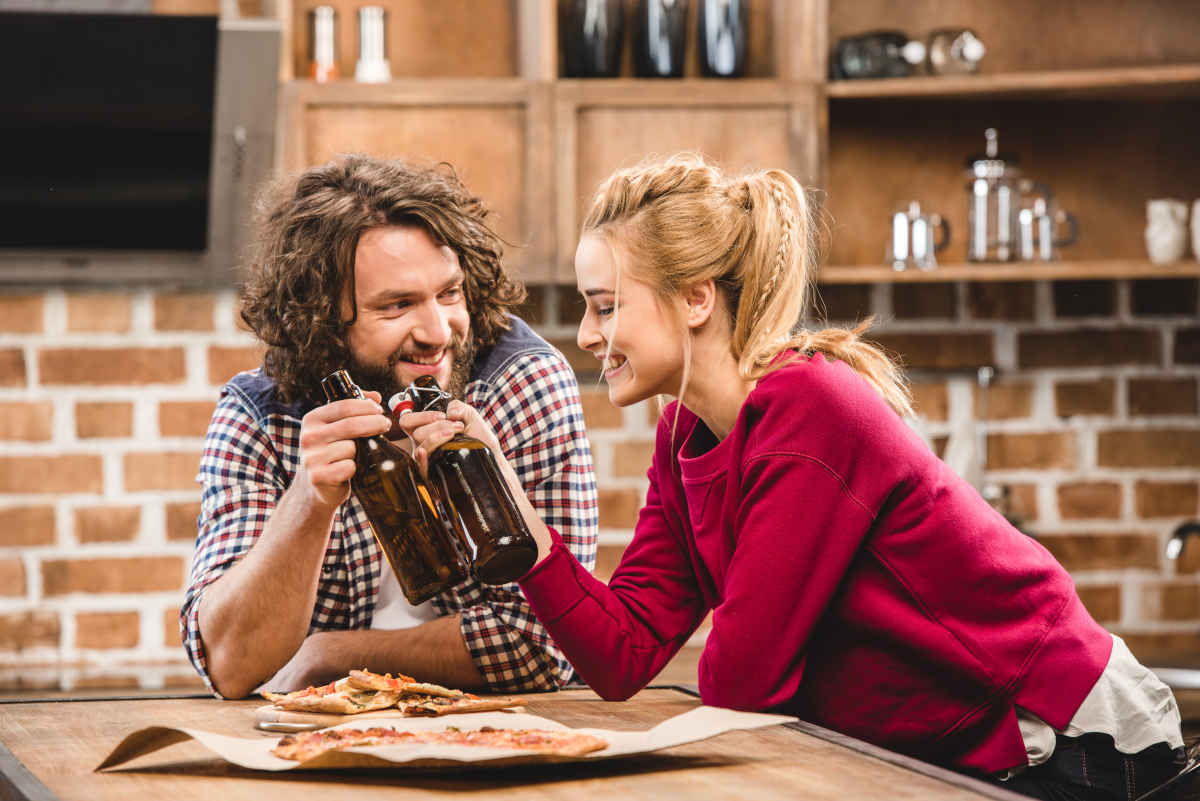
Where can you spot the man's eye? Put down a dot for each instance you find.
(453, 294)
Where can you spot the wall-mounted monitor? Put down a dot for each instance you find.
(133, 145)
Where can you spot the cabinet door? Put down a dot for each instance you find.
(743, 124)
(493, 135)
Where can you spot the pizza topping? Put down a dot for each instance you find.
(328, 688)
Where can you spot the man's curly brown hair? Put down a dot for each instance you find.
(302, 262)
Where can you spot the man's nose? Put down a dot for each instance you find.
(433, 325)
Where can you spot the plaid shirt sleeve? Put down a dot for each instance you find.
(535, 411)
(242, 483)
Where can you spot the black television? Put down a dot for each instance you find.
(133, 144)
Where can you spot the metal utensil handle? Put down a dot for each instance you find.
(266, 725)
(944, 224)
(1068, 218)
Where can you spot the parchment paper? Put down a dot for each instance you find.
(255, 754)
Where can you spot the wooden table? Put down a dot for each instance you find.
(51, 746)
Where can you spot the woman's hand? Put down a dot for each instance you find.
(430, 430)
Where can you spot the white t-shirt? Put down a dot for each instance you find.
(1128, 703)
(392, 609)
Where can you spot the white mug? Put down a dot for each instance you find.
(1166, 230)
(914, 239)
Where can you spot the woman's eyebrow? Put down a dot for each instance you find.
(591, 293)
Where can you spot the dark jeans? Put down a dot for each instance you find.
(1090, 768)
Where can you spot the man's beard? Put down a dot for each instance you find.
(383, 379)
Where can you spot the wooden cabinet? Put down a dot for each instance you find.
(1100, 98)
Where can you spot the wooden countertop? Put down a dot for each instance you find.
(53, 745)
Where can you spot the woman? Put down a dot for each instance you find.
(854, 580)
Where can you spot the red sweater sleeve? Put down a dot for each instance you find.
(618, 637)
(797, 528)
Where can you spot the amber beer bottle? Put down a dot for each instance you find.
(474, 494)
(425, 557)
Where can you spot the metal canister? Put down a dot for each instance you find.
(372, 66)
(322, 44)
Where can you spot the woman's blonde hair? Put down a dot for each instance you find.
(678, 221)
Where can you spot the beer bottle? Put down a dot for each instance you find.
(474, 494)
(425, 557)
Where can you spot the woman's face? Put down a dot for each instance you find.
(640, 346)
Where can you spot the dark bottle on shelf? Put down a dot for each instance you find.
(425, 557)
(721, 37)
(879, 54)
(474, 494)
(592, 32)
(661, 37)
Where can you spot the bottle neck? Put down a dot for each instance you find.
(340, 386)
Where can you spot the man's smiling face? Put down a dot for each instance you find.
(412, 314)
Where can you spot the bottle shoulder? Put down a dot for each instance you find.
(372, 450)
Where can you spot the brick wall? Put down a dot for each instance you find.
(104, 398)
(104, 401)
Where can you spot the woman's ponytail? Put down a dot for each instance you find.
(776, 278)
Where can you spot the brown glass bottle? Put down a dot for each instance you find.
(475, 496)
(425, 557)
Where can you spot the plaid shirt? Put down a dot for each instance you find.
(525, 391)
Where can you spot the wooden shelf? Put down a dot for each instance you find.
(1159, 81)
(1037, 271)
(679, 92)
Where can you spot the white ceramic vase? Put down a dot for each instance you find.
(1166, 230)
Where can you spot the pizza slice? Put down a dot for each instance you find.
(425, 705)
(306, 745)
(338, 697)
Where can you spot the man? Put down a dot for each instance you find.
(388, 270)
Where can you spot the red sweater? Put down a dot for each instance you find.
(855, 582)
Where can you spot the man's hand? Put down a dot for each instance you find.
(327, 449)
(312, 666)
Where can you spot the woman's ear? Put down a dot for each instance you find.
(699, 302)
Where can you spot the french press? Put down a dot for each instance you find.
(991, 188)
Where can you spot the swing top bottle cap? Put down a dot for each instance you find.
(399, 405)
(426, 395)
